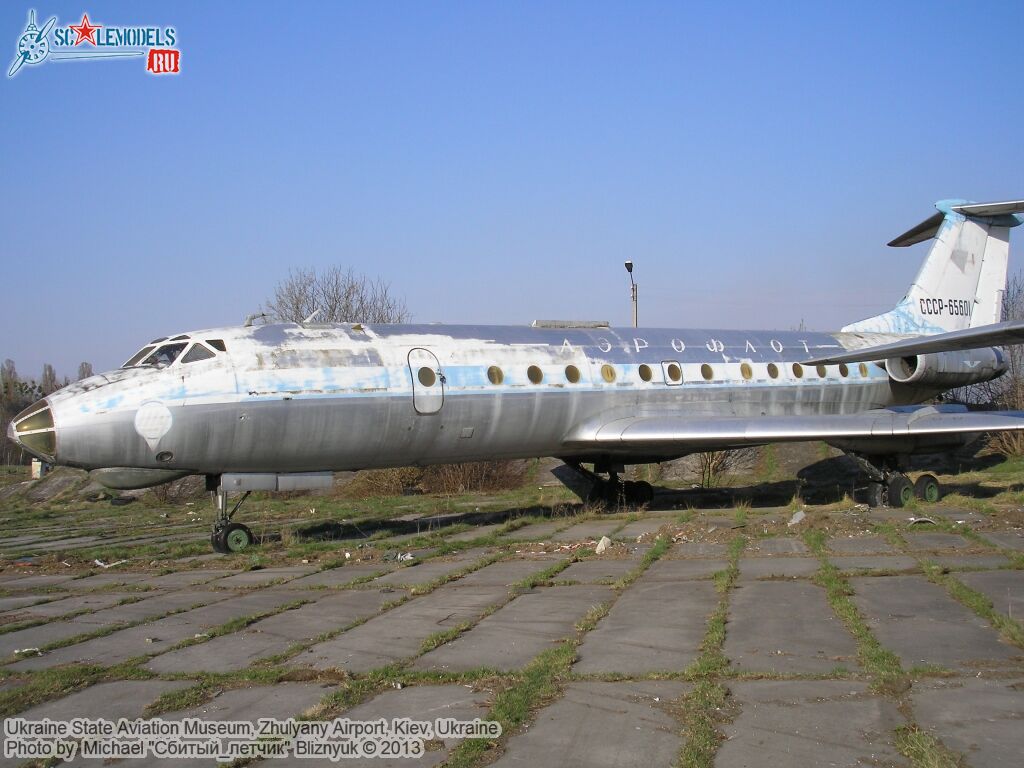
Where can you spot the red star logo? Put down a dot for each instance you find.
(86, 32)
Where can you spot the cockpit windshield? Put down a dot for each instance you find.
(164, 355)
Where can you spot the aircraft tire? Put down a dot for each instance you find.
(217, 543)
(236, 538)
(901, 491)
(873, 495)
(927, 489)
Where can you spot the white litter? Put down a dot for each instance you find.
(603, 544)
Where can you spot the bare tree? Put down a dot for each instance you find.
(49, 382)
(713, 465)
(340, 295)
(84, 371)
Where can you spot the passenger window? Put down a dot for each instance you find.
(165, 355)
(196, 353)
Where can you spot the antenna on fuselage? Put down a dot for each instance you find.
(312, 316)
(250, 318)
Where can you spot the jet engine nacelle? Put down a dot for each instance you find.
(945, 370)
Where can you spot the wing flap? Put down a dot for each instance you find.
(994, 335)
(658, 431)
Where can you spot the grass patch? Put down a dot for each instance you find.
(48, 684)
(924, 750)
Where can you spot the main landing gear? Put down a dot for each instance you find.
(228, 537)
(888, 485)
(611, 491)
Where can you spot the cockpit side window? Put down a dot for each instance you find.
(217, 344)
(165, 355)
(137, 357)
(196, 353)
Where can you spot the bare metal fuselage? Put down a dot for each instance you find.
(288, 398)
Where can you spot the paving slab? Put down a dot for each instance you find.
(420, 702)
(598, 570)
(181, 579)
(11, 604)
(787, 627)
(874, 562)
(339, 577)
(777, 545)
(633, 531)
(919, 542)
(1004, 588)
(654, 626)
(430, 570)
(399, 633)
(860, 545)
(778, 567)
(1006, 539)
(504, 573)
(697, 549)
(37, 581)
(587, 530)
(73, 604)
(476, 532)
(535, 530)
(333, 611)
(971, 561)
(160, 635)
(979, 718)
(279, 701)
(801, 724)
(922, 624)
(262, 577)
(509, 638)
(683, 570)
(101, 580)
(603, 725)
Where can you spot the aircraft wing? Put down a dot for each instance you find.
(674, 431)
(996, 334)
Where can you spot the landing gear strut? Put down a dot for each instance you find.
(888, 485)
(228, 537)
(611, 491)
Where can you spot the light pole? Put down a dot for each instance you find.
(629, 268)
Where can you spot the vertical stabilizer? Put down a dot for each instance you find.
(962, 280)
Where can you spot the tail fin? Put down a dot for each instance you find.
(962, 281)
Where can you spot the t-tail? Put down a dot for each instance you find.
(962, 281)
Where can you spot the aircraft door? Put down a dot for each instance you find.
(427, 381)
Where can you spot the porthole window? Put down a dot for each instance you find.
(572, 374)
(707, 372)
(844, 370)
(822, 371)
(773, 370)
(798, 370)
(535, 374)
(746, 371)
(645, 373)
(863, 368)
(608, 373)
(675, 373)
(426, 376)
(495, 375)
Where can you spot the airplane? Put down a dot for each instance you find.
(279, 407)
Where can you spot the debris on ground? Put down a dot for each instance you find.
(101, 564)
(406, 557)
(602, 545)
(919, 520)
(797, 517)
(28, 652)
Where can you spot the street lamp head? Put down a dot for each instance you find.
(629, 267)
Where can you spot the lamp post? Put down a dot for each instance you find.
(629, 268)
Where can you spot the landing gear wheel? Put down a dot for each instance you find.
(217, 543)
(901, 491)
(236, 538)
(873, 495)
(927, 489)
(638, 493)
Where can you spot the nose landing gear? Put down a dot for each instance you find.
(228, 537)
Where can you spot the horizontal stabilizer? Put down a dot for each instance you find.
(663, 432)
(990, 209)
(994, 335)
(924, 231)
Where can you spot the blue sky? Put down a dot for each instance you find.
(495, 162)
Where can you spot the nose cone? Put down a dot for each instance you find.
(33, 430)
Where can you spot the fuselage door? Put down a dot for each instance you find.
(427, 381)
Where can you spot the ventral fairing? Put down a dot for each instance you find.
(280, 407)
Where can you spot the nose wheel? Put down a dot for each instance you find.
(228, 537)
